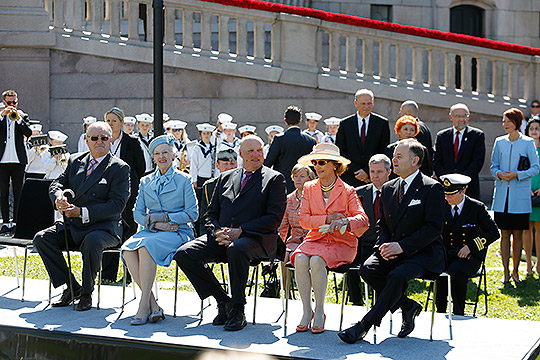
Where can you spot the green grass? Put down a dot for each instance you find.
(504, 302)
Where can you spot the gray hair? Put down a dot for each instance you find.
(380, 158)
(364, 92)
(251, 137)
(412, 106)
(415, 149)
(101, 125)
(459, 106)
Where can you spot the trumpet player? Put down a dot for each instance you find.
(13, 128)
(57, 162)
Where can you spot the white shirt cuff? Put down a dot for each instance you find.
(85, 215)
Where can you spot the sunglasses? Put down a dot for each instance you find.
(320, 162)
(96, 138)
(533, 106)
(9, 103)
(176, 130)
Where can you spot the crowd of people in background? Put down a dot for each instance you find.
(402, 210)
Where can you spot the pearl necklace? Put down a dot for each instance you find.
(329, 187)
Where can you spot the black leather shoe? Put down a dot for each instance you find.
(85, 303)
(224, 310)
(65, 299)
(237, 321)
(407, 325)
(356, 332)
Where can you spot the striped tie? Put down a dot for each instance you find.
(91, 165)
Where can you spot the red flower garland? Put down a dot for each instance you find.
(381, 25)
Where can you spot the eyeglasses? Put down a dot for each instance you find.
(96, 138)
(9, 103)
(320, 162)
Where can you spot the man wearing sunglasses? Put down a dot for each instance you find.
(13, 158)
(101, 184)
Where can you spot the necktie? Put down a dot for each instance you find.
(376, 204)
(456, 146)
(363, 132)
(456, 211)
(91, 165)
(401, 191)
(246, 178)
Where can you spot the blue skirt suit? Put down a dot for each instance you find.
(171, 193)
(512, 199)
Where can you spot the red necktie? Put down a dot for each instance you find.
(376, 204)
(456, 146)
(363, 132)
(246, 178)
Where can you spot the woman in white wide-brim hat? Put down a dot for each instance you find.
(333, 215)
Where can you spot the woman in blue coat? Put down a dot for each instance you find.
(512, 194)
(167, 208)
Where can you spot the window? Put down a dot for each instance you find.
(381, 12)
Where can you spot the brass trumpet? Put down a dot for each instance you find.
(14, 115)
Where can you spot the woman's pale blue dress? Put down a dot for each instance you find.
(171, 193)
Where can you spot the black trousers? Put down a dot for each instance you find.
(193, 258)
(51, 242)
(14, 173)
(389, 279)
(460, 270)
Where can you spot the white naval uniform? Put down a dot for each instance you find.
(235, 145)
(81, 145)
(37, 163)
(317, 134)
(329, 138)
(55, 168)
(147, 156)
(201, 161)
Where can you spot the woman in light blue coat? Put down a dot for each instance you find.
(167, 208)
(512, 194)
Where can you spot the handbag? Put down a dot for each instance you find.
(535, 200)
(524, 163)
(271, 285)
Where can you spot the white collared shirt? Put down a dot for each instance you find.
(374, 191)
(460, 207)
(460, 136)
(408, 180)
(10, 152)
(115, 145)
(359, 118)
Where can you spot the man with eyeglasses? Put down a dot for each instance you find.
(101, 184)
(460, 149)
(14, 127)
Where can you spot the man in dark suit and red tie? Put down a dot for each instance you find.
(242, 219)
(409, 242)
(360, 136)
(460, 149)
(100, 182)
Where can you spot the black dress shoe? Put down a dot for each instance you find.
(356, 332)
(408, 320)
(65, 299)
(85, 303)
(224, 310)
(237, 321)
(4, 230)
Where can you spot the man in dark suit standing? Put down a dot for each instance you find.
(370, 197)
(410, 107)
(460, 149)
(100, 182)
(127, 148)
(468, 231)
(12, 155)
(241, 222)
(409, 242)
(288, 147)
(360, 136)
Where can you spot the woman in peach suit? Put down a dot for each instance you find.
(333, 215)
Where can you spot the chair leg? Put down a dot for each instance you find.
(449, 305)
(176, 291)
(485, 289)
(256, 275)
(430, 289)
(24, 271)
(16, 265)
(343, 297)
(223, 281)
(366, 290)
(434, 283)
(375, 326)
(50, 290)
(288, 281)
(124, 281)
(336, 289)
(477, 295)
(99, 283)
(156, 287)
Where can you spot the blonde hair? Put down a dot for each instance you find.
(299, 167)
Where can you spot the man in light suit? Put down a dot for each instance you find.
(288, 147)
(409, 242)
(244, 214)
(360, 136)
(100, 182)
(460, 149)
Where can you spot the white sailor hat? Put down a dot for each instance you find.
(89, 119)
(167, 124)
(205, 127)
(229, 125)
(36, 127)
(57, 135)
(224, 118)
(177, 124)
(271, 128)
(453, 183)
(146, 118)
(332, 121)
(313, 116)
(129, 120)
(247, 128)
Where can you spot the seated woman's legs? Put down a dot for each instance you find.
(303, 280)
(143, 271)
(319, 281)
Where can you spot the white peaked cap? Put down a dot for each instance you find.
(205, 127)
(146, 118)
(89, 120)
(313, 116)
(229, 125)
(247, 128)
(57, 135)
(36, 127)
(129, 120)
(332, 121)
(177, 124)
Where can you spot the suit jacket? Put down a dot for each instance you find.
(285, 151)
(22, 129)
(470, 156)
(350, 145)
(365, 194)
(473, 227)
(258, 208)
(104, 193)
(131, 152)
(416, 224)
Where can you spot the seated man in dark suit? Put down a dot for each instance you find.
(241, 222)
(100, 182)
(468, 231)
(288, 147)
(409, 242)
(369, 195)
